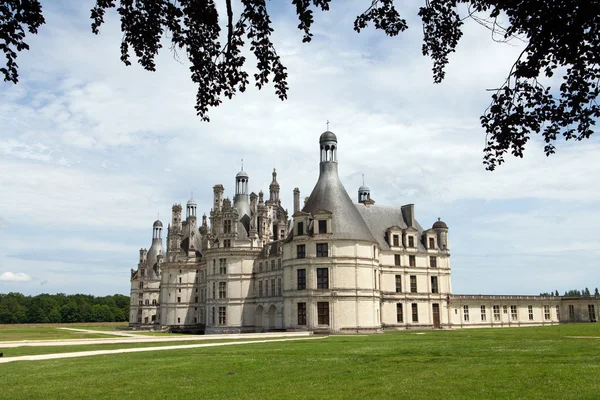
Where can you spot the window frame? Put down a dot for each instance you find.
(301, 279)
(322, 278)
(322, 250)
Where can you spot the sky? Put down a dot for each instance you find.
(92, 151)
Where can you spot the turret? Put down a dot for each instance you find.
(155, 250)
(441, 229)
(274, 189)
(191, 208)
(241, 201)
(364, 194)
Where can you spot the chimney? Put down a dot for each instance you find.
(408, 213)
(296, 200)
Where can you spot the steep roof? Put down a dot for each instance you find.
(329, 194)
(379, 219)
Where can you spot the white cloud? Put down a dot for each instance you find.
(91, 150)
(14, 277)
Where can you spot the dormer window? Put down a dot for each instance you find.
(322, 226)
(227, 226)
(396, 240)
(411, 241)
(431, 243)
(300, 230)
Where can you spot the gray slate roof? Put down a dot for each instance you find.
(379, 219)
(329, 194)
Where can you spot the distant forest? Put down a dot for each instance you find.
(574, 293)
(16, 308)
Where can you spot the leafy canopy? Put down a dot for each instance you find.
(562, 37)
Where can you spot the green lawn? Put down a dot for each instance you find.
(35, 350)
(515, 363)
(9, 333)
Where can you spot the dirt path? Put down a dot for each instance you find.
(4, 360)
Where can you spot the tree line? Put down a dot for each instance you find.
(573, 292)
(16, 308)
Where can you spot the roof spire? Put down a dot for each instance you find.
(327, 124)
(363, 175)
(242, 164)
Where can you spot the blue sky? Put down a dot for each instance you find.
(91, 151)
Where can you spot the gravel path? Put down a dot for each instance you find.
(149, 339)
(4, 360)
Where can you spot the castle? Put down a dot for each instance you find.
(334, 266)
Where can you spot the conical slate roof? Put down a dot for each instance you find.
(329, 194)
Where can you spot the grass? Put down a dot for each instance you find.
(510, 363)
(37, 350)
(50, 331)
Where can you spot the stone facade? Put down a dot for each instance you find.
(334, 266)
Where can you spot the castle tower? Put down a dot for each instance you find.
(296, 200)
(274, 189)
(155, 250)
(241, 201)
(218, 197)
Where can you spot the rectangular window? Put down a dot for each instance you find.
(398, 283)
(227, 226)
(412, 261)
(272, 265)
(530, 309)
(592, 313)
(273, 288)
(279, 263)
(513, 313)
(396, 259)
(222, 266)
(178, 300)
(301, 279)
(415, 313)
(466, 313)
(546, 312)
(301, 251)
(322, 226)
(483, 314)
(222, 290)
(399, 316)
(260, 267)
(396, 240)
(279, 291)
(322, 250)
(214, 292)
(227, 243)
(267, 287)
(301, 313)
(222, 315)
(433, 262)
(196, 299)
(413, 284)
(212, 315)
(431, 243)
(300, 228)
(260, 289)
(434, 284)
(411, 241)
(496, 313)
(322, 278)
(571, 312)
(558, 313)
(323, 313)
(505, 309)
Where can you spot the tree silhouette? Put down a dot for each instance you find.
(561, 37)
